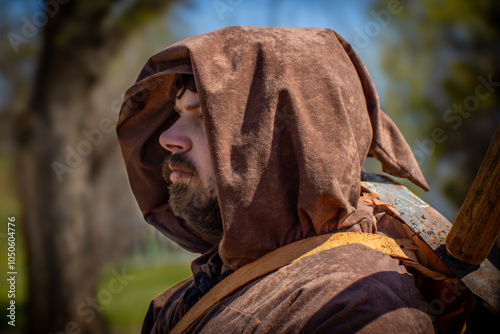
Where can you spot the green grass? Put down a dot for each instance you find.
(127, 309)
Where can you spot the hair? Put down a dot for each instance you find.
(185, 81)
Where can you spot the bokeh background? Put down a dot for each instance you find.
(86, 262)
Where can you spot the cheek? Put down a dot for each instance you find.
(205, 159)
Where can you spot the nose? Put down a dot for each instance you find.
(175, 140)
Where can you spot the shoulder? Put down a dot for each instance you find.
(347, 289)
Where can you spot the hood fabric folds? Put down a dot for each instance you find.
(290, 115)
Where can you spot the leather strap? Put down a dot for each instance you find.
(281, 257)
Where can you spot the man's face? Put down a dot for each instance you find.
(188, 170)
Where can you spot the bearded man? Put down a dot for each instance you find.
(246, 144)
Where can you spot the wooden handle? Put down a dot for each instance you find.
(478, 222)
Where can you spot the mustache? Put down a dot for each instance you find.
(177, 162)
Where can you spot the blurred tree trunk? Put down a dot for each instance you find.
(64, 188)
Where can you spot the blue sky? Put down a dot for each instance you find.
(209, 15)
(346, 17)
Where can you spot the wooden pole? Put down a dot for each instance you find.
(478, 222)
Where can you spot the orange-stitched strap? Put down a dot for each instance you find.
(288, 254)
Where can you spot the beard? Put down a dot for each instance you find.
(194, 201)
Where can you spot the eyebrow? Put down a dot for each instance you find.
(191, 106)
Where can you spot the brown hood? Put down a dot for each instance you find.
(290, 115)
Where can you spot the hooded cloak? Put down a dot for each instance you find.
(290, 115)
